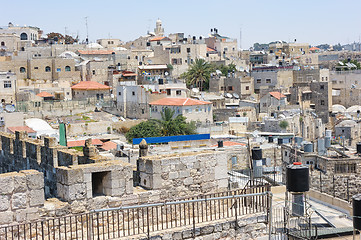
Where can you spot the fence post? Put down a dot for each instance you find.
(333, 180)
(320, 181)
(148, 232)
(236, 222)
(269, 195)
(194, 221)
(348, 191)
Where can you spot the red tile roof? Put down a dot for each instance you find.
(89, 85)
(109, 145)
(277, 95)
(81, 143)
(95, 52)
(314, 48)
(44, 94)
(160, 39)
(178, 102)
(230, 144)
(21, 128)
(210, 49)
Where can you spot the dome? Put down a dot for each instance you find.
(158, 21)
(68, 54)
(94, 45)
(347, 123)
(354, 109)
(337, 108)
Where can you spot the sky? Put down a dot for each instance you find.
(314, 22)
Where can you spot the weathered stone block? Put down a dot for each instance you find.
(36, 198)
(6, 217)
(6, 183)
(173, 175)
(19, 201)
(69, 176)
(73, 192)
(34, 179)
(20, 183)
(4, 202)
(188, 181)
(184, 174)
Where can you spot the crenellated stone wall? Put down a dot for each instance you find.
(21, 196)
(184, 174)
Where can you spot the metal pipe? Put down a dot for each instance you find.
(270, 195)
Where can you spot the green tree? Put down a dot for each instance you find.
(144, 129)
(198, 74)
(283, 124)
(167, 126)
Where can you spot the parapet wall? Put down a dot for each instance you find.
(184, 174)
(22, 194)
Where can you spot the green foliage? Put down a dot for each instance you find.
(144, 129)
(167, 126)
(283, 124)
(198, 74)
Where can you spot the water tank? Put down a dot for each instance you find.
(297, 178)
(327, 142)
(308, 147)
(321, 146)
(280, 141)
(256, 153)
(298, 140)
(257, 168)
(220, 144)
(328, 133)
(356, 205)
(270, 139)
(358, 147)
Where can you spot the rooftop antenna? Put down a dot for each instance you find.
(240, 38)
(87, 33)
(148, 27)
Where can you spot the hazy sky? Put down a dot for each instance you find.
(315, 22)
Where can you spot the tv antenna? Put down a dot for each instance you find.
(87, 33)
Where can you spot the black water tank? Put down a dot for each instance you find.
(220, 144)
(270, 139)
(356, 205)
(358, 147)
(280, 141)
(256, 153)
(297, 178)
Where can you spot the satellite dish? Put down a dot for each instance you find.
(218, 72)
(115, 119)
(10, 108)
(235, 95)
(195, 90)
(166, 73)
(228, 95)
(255, 133)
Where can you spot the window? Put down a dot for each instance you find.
(259, 80)
(168, 92)
(222, 88)
(247, 87)
(230, 88)
(345, 168)
(322, 87)
(322, 102)
(142, 111)
(23, 36)
(133, 93)
(178, 92)
(2, 44)
(188, 50)
(100, 181)
(264, 104)
(36, 68)
(22, 69)
(268, 80)
(98, 97)
(7, 84)
(234, 160)
(47, 69)
(93, 72)
(58, 70)
(119, 93)
(67, 69)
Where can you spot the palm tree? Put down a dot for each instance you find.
(198, 73)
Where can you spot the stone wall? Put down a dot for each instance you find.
(184, 174)
(21, 196)
(83, 182)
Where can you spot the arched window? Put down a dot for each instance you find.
(23, 36)
(67, 69)
(2, 44)
(47, 69)
(22, 70)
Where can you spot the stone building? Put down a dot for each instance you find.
(272, 101)
(349, 131)
(272, 78)
(193, 110)
(90, 89)
(346, 87)
(242, 85)
(8, 87)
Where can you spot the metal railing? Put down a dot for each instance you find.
(143, 219)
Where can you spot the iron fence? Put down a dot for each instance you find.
(145, 219)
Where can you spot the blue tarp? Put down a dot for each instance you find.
(172, 138)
